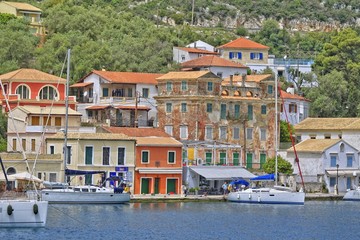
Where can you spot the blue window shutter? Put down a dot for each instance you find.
(231, 55)
(261, 55)
(239, 55)
(252, 55)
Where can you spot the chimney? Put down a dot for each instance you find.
(231, 80)
(243, 80)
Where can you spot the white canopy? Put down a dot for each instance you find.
(222, 172)
(20, 176)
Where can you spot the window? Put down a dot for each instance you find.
(236, 133)
(184, 86)
(208, 157)
(256, 55)
(145, 92)
(52, 149)
(348, 183)
(231, 55)
(210, 86)
(47, 121)
(327, 136)
(235, 55)
(270, 89)
(130, 92)
(168, 107)
(349, 160)
(121, 156)
(169, 86)
(223, 111)
(35, 121)
(209, 132)
(250, 112)
(333, 161)
(262, 134)
(171, 157)
(183, 132)
(292, 108)
(263, 109)
(91, 92)
(48, 93)
(23, 92)
(105, 92)
(239, 55)
(68, 155)
(14, 144)
(249, 132)
(23, 143)
(58, 121)
(144, 156)
(219, 74)
(223, 158)
(88, 179)
(209, 107)
(106, 155)
(223, 132)
(332, 181)
(237, 111)
(183, 107)
(88, 155)
(33, 146)
(169, 129)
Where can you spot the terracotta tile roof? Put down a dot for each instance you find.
(326, 124)
(92, 136)
(287, 95)
(208, 61)
(128, 77)
(184, 75)
(157, 141)
(237, 79)
(23, 6)
(314, 145)
(48, 110)
(244, 43)
(133, 107)
(197, 50)
(26, 74)
(137, 132)
(83, 84)
(98, 107)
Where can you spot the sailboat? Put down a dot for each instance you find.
(269, 195)
(83, 194)
(18, 212)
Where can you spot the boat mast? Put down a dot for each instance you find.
(276, 129)
(66, 112)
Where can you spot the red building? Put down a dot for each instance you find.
(32, 87)
(158, 160)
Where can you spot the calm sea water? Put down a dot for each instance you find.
(197, 220)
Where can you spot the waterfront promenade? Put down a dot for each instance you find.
(179, 197)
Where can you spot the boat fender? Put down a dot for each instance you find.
(10, 210)
(249, 196)
(259, 199)
(35, 209)
(238, 196)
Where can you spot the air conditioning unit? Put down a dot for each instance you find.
(199, 161)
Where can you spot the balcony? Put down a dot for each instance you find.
(55, 129)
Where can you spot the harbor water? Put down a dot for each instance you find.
(197, 220)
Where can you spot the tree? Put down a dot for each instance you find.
(283, 166)
(6, 17)
(284, 131)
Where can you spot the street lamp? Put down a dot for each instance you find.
(337, 178)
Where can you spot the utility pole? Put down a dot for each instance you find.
(136, 110)
(192, 13)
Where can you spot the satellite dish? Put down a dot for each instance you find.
(85, 93)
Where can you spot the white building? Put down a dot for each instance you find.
(295, 108)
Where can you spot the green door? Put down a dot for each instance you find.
(156, 186)
(145, 185)
(208, 157)
(222, 158)
(171, 186)
(262, 160)
(236, 159)
(249, 158)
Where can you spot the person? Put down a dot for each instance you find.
(229, 188)
(184, 190)
(224, 187)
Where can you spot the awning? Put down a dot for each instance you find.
(133, 108)
(343, 172)
(71, 172)
(83, 84)
(222, 172)
(98, 107)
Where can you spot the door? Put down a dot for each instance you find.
(156, 185)
(348, 183)
(222, 158)
(145, 185)
(171, 186)
(262, 160)
(236, 159)
(249, 158)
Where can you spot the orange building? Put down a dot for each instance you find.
(158, 160)
(31, 87)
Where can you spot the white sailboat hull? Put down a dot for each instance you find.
(352, 195)
(267, 196)
(24, 213)
(63, 196)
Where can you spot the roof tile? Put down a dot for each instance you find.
(244, 43)
(208, 61)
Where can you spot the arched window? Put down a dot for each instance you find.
(224, 93)
(249, 94)
(10, 171)
(23, 91)
(237, 94)
(48, 93)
